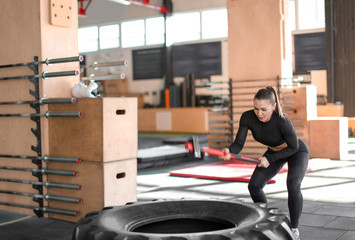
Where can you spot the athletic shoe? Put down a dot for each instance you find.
(296, 234)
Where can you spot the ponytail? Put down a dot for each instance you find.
(270, 94)
(278, 104)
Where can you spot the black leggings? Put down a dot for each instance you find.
(297, 166)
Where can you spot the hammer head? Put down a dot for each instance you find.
(193, 146)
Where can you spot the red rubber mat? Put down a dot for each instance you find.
(233, 171)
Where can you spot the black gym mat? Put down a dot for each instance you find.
(157, 151)
(161, 155)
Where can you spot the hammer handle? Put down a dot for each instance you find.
(220, 153)
(245, 159)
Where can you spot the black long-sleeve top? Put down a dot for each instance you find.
(272, 133)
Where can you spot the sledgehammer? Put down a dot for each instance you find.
(193, 146)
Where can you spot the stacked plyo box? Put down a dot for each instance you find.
(326, 137)
(300, 105)
(105, 140)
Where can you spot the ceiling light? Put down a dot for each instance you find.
(124, 2)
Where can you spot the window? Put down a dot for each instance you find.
(311, 14)
(109, 36)
(214, 24)
(88, 39)
(154, 31)
(184, 27)
(133, 33)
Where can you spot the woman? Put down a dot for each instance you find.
(270, 127)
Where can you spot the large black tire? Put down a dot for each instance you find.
(183, 220)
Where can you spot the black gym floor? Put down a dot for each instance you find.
(329, 198)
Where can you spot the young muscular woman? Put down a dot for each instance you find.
(270, 127)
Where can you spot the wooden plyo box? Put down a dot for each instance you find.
(330, 110)
(183, 120)
(300, 106)
(328, 137)
(106, 132)
(102, 185)
(105, 140)
(300, 103)
(113, 88)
